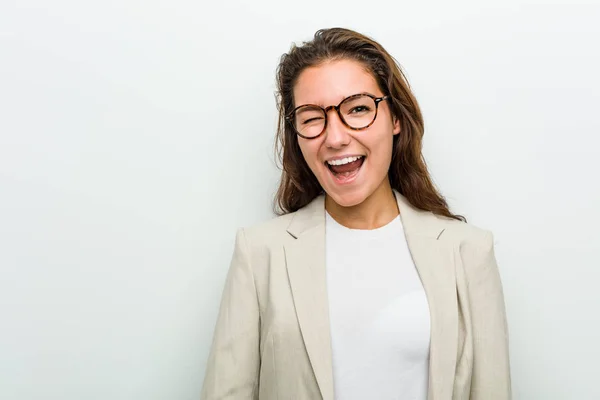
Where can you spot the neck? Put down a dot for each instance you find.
(374, 212)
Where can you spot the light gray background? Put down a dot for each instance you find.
(136, 136)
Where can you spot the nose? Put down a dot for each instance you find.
(336, 133)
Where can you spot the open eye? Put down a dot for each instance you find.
(359, 109)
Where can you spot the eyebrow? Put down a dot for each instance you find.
(342, 99)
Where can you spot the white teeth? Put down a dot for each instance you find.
(344, 160)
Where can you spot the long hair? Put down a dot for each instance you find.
(408, 171)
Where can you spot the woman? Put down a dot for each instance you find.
(367, 287)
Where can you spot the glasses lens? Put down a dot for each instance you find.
(359, 111)
(309, 121)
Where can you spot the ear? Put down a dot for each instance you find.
(397, 127)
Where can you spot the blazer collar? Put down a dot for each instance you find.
(414, 221)
(434, 260)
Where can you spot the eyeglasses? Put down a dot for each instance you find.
(356, 112)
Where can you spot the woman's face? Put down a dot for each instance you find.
(328, 84)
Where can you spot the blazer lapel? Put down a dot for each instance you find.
(305, 261)
(434, 260)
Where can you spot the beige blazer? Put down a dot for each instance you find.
(272, 338)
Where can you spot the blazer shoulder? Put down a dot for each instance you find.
(263, 240)
(268, 233)
(476, 248)
(465, 233)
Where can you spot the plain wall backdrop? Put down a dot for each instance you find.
(137, 136)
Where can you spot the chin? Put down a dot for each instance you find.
(350, 199)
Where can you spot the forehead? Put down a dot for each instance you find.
(330, 82)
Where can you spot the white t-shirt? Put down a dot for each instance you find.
(379, 315)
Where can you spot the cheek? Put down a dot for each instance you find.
(380, 140)
(387, 138)
(304, 152)
(381, 150)
(309, 151)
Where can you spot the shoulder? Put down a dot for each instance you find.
(475, 247)
(262, 246)
(279, 230)
(265, 234)
(464, 233)
(424, 222)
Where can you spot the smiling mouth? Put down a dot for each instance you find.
(347, 171)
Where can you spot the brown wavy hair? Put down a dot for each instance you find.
(408, 171)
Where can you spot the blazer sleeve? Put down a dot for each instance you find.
(491, 366)
(234, 361)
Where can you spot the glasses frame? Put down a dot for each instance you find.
(377, 100)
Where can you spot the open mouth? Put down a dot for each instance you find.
(346, 170)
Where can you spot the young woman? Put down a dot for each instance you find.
(367, 287)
